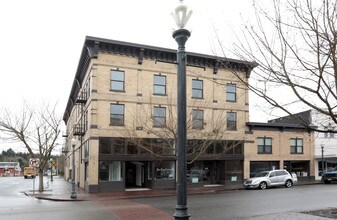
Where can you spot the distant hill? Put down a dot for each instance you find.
(11, 156)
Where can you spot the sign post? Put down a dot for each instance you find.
(34, 162)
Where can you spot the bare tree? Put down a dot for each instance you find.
(205, 129)
(294, 44)
(37, 129)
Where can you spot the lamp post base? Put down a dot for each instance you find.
(181, 213)
(73, 195)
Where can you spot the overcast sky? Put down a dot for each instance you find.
(41, 40)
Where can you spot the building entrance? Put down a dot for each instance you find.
(134, 174)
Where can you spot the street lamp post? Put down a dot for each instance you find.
(51, 169)
(322, 147)
(73, 191)
(181, 16)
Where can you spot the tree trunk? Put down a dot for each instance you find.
(41, 180)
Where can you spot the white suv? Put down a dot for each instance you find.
(270, 178)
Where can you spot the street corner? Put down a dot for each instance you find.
(36, 194)
(48, 195)
(60, 199)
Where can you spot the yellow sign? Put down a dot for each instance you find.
(53, 163)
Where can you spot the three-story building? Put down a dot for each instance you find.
(122, 113)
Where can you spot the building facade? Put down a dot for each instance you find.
(122, 113)
(279, 146)
(325, 138)
(10, 169)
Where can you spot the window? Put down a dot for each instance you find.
(111, 146)
(116, 115)
(281, 173)
(162, 170)
(264, 145)
(296, 146)
(159, 85)
(115, 171)
(197, 89)
(110, 171)
(86, 149)
(159, 117)
(231, 120)
(117, 79)
(231, 92)
(197, 119)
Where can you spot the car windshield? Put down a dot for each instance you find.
(262, 174)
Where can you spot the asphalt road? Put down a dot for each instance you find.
(237, 204)
(246, 204)
(15, 205)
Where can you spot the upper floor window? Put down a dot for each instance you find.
(296, 145)
(230, 92)
(264, 145)
(117, 80)
(231, 120)
(197, 88)
(159, 117)
(116, 114)
(159, 85)
(197, 119)
(86, 149)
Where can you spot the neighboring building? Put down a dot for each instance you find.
(10, 169)
(279, 146)
(122, 109)
(326, 140)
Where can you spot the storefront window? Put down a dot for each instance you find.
(110, 171)
(233, 147)
(164, 170)
(132, 148)
(233, 170)
(111, 146)
(300, 168)
(198, 172)
(258, 166)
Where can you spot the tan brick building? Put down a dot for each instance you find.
(277, 146)
(122, 111)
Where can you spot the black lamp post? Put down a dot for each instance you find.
(181, 35)
(322, 147)
(73, 191)
(51, 169)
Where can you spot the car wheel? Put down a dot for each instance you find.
(327, 181)
(288, 183)
(263, 185)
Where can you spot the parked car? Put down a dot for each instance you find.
(329, 176)
(265, 179)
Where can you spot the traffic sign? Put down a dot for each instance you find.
(34, 162)
(53, 164)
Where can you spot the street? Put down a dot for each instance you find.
(251, 203)
(232, 204)
(16, 205)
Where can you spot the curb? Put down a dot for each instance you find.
(62, 197)
(59, 200)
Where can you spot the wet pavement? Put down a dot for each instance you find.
(125, 209)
